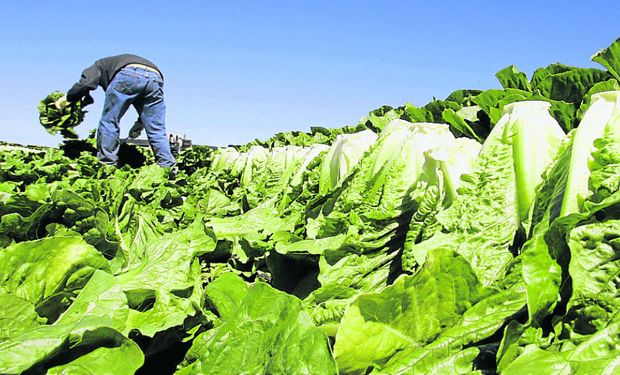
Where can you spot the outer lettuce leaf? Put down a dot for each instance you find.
(38, 348)
(541, 272)
(565, 236)
(226, 294)
(342, 282)
(492, 101)
(311, 154)
(598, 354)
(541, 74)
(266, 331)
(436, 108)
(95, 319)
(568, 84)
(416, 114)
(610, 58)
(511, 77)
(454, 361)
(245, 236)
(288, 244)
(594, 265)
(565, 113)
(380, 118)
(63, 211)
(47, 272)
(605, 164)
(260, 219)
(410, 313)
(462, 120)
(609, 85)
(517, 335)
(208, 202)
(76, 213)
(464, 97)
(135, 233)
(16, 316)
(101, 297)
(165, 288)
(548, 206)
(456, 350)
(119, 360)
(24, 203)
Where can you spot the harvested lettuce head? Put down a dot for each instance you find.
(63, 120)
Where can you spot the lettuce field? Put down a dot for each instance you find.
(475, 234)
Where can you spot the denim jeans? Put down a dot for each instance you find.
(144, 90)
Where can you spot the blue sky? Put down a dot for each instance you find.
(240, 70)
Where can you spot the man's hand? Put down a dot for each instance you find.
(136, 129)
(61, 103)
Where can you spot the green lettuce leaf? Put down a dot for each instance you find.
(94, 319)
(48, 272)
(165, 287)
(457, 350)
(597, 354)
(267, 331)
(410, 313)
(565, 83)
(594, 265)
(511, 77)
(17, 315)
(124, 359)
(610, 58)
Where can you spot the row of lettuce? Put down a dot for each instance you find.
(478, 233)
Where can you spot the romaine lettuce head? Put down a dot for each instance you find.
(605, 108)
(342, 157)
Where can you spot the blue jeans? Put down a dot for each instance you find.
(144, 90)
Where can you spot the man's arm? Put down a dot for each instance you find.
(88, 82)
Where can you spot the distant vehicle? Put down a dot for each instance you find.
(177, 142)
